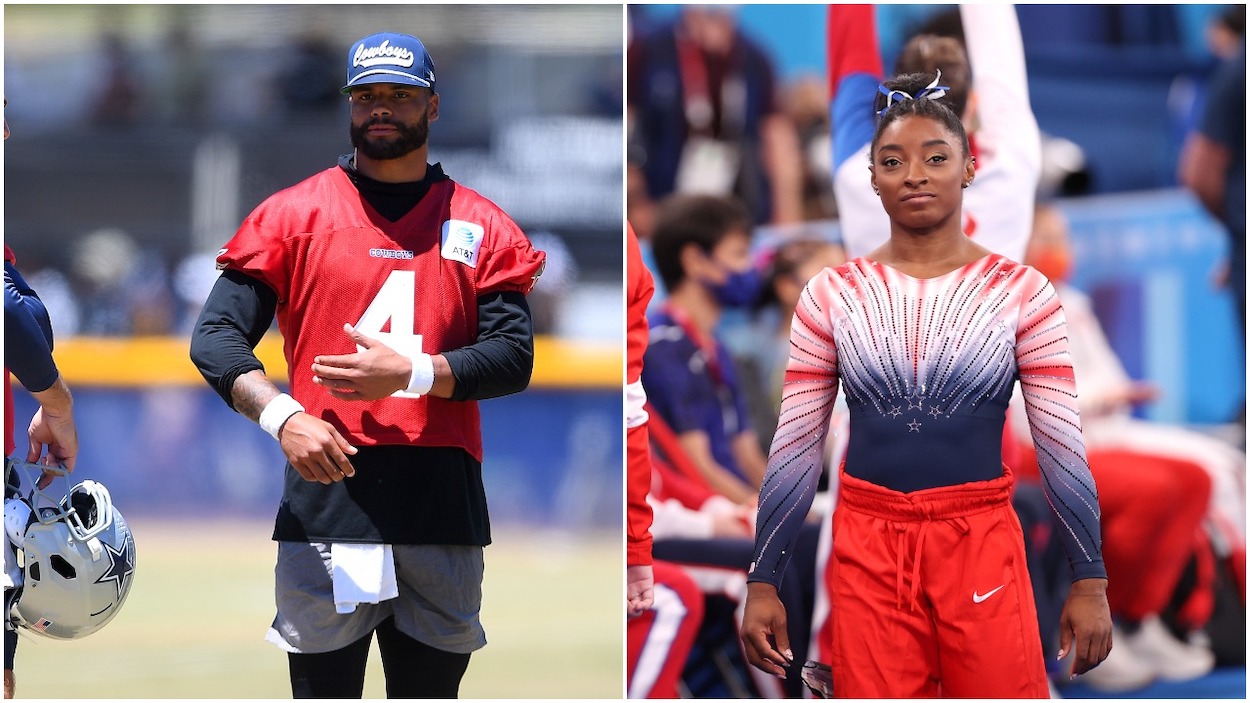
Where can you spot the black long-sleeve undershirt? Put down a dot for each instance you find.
(502, 360)
(241, 308)
(238, 312)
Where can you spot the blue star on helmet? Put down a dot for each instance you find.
(121, 566)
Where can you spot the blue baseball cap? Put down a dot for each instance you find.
(387, 57)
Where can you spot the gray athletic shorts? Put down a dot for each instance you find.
(440, 599)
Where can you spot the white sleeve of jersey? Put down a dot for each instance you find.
(865, 226)
(998, 208)
(635, 405)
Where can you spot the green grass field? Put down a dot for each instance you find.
(195, 621)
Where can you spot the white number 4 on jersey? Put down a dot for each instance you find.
(394, 302)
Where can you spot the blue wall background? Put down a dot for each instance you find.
(1149, 262)
(795, 34)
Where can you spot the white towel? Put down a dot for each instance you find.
(362, 573)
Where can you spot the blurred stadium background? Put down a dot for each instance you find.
(142, 135)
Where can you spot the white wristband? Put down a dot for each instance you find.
(422, 374)
(277, 411)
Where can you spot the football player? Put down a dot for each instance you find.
(400, 295)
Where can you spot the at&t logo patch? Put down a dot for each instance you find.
(461, 241)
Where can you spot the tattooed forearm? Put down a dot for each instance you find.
(251, 392)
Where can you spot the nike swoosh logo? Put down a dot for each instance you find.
(978, 598)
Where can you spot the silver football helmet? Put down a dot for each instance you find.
(78, 556)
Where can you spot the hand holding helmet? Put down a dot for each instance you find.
(78, 556)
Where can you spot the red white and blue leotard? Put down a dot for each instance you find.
(928, 367)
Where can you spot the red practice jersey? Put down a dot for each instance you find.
(412, 284)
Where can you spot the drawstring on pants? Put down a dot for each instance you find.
(900, 530)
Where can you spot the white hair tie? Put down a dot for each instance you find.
(933, 91)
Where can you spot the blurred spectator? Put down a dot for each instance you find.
(150, 299)
(1213, 159)
(57, 293)
(310, 79)
(1107, 395)
(703, 108)
(102, 263)
(1065, 171)
(1227, 33)
(701, 246)
(786, 275)
(761, 361)
(122, 290)
(181, 79)
(119, 101)
(193, 281)
(807, 107)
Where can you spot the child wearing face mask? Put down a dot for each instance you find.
(702, 251)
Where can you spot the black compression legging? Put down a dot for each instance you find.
(412, 669)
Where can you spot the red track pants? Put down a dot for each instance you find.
(931, 594)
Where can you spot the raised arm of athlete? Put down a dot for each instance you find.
(854, 68)
(1004, 132)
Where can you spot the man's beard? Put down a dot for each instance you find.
(409, 139)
